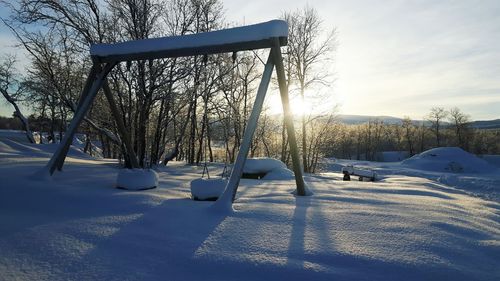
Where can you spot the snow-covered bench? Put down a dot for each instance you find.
(255, 168)
(266, 169)
(364, 175)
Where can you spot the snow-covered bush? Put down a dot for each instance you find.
(137, 179)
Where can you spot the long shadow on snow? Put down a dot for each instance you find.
(401, 192)
(459, 243)
(159, 244)
(43, 207)
(68, 196)
(341, 266)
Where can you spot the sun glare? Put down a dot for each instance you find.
(298, 107)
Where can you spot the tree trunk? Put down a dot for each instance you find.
(305, 163)
(20, 116)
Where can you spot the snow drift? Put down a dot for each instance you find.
(271, 169)
(262, 165)
(279, 174)
(11, 147)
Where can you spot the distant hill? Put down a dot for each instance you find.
(359, 119)
(486, 124)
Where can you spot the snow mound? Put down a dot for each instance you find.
(492, 159)
(137, 179)
(267, 169)
(262, 165)
(207, 189)
(448, 159)
(307, 190)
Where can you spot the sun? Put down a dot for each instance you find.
(298, 107)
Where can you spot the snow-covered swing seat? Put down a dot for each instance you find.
(272, 35)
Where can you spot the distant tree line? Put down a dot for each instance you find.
(440, 128)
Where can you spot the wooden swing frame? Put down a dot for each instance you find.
(105, 61)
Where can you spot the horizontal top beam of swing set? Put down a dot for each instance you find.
(250, 37)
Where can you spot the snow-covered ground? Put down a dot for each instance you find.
(450, 166)
(77, 226)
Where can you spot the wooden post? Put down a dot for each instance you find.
(287, 112)
(59, 156)
(121, 126)
(229, 193)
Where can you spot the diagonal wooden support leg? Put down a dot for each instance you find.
(57, 160)
(294, 151)
(227, 197)
(94, 71)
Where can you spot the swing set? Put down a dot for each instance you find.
(269, 35)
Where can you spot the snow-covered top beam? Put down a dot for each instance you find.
(250, 37)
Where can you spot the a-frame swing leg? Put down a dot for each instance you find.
(88, 83)
(229, 193)
(88, 95)
(287, 112)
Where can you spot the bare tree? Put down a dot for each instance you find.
(436, 117)
(409, 133)
(397, 136)
(422, 136)
(320, 132)
(12, 90)
(58, 50)
(306, 51)
(460, 123)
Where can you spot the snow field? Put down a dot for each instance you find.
(77, 226)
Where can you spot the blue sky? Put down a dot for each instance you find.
(399, 58)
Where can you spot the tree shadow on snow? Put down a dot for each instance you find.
(402, 191)
(315, 253)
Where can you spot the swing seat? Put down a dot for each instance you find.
(137, 179)
(207, 189)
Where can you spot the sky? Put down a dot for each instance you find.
(395, 57)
